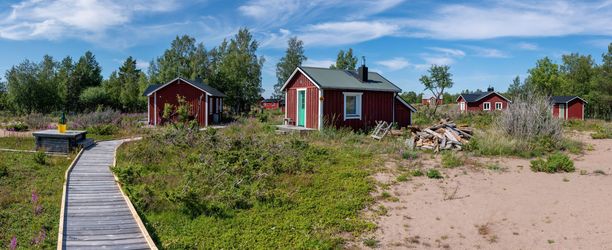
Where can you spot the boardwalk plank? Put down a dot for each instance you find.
(96, 214)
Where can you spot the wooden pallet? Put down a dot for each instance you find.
(382, 128)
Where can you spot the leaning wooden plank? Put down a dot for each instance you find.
(433, 133)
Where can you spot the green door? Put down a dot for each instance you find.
(301, 120)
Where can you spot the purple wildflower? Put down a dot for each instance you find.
(42, 235)
(34, 197)
(13, 245)
(38, 210)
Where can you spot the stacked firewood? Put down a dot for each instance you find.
(442, 136)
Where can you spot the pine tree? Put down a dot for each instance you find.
(294, 57)
(345, 60)
(129, 77)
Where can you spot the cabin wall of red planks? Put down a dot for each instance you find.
(376, 106)
(312, 100)
(402, 114)
(574, 110)
(478, 106)
(195, 97)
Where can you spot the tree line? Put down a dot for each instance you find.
(233, 67)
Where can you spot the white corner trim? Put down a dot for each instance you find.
(359, 105)
(155, 109)
(206, 103)
(321, 109)
(483, 106)
(297, 106)
(286, 104)
(148, 110)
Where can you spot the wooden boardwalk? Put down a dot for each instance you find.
(96, 214)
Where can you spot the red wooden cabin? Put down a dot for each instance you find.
(320, 96)
(484, 101)
(272, 104)
(431, 100)
(206, 102)
(568, 107)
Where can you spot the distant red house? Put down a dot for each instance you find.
(431, 100)
(568, 107)
(273, 104)
(206, 102)
(320, 96)
(484, 101)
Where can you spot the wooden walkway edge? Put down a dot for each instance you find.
(95, 213)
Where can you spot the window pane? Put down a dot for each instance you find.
(351, 105)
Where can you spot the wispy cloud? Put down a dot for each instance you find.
(488, 52)
(528, 46)
(448, 51)
(35, 19)
(338, 33)
(323, 63)
(513, 19)
(396, 63)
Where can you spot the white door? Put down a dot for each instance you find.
(462, 106)
(562, 111)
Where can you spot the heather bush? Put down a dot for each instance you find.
(16, 126)
(37, 121)
(103, 129)
(83, 121)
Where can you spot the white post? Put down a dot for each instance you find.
(320, 109)
(155, 108)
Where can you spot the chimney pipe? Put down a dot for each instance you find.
(490, 89)
(363, 71)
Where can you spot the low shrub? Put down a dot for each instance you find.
(371, 242)
(556, 162)
(416, 173)
(410, 155)
(451, 159)
(493, 142)
(3, 170)
(529, 118)
(105, 117)
(40, 157)
(434, 174)
(106, 129)
(603, 132)
(402, 177)
(37, 121)
(16, 127)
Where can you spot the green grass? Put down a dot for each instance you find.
(21, 143)
(20, 177)
(451, 159)
(557, 162)
(246, 187)
(492, 142)
(434, 174)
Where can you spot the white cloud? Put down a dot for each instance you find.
(512, 19)
(488, 52)
(528, 46)
(339, 33)
(395, 63)
(323, 63)
(437, 60)
(450, 52)
(142, 64)
(35, 19)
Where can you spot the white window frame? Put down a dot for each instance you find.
(358, 104)
(501, 106)
(484, 104)
(462, 106)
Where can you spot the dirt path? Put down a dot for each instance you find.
(510, 208)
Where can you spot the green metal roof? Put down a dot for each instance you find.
(347, 79)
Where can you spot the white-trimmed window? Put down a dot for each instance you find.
(462, 106)
(498, 106)
(352, 105)
(486, 106)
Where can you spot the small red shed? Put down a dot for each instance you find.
(431, 100)
(568, 107)
(206, 102)
(272, 104)
(484, 101)
(343, 98)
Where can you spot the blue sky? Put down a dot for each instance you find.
(486, 43)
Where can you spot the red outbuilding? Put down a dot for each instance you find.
(430, 100)
(205, 102)
(484, 101)
(272, 104)
(343, 98)
(568, 107)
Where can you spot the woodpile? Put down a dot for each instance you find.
(442, 136)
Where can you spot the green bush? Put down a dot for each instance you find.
(416, 173)
(3, 170)
(40, 157)
(16, 126)
(410, 155)
(556, 162)
(106, 129)
(434, 174)
(451, 159)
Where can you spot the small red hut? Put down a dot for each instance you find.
(484, 101)
(206, 102)
(568, 107)
(318, 96)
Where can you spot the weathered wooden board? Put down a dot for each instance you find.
(96, 215)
